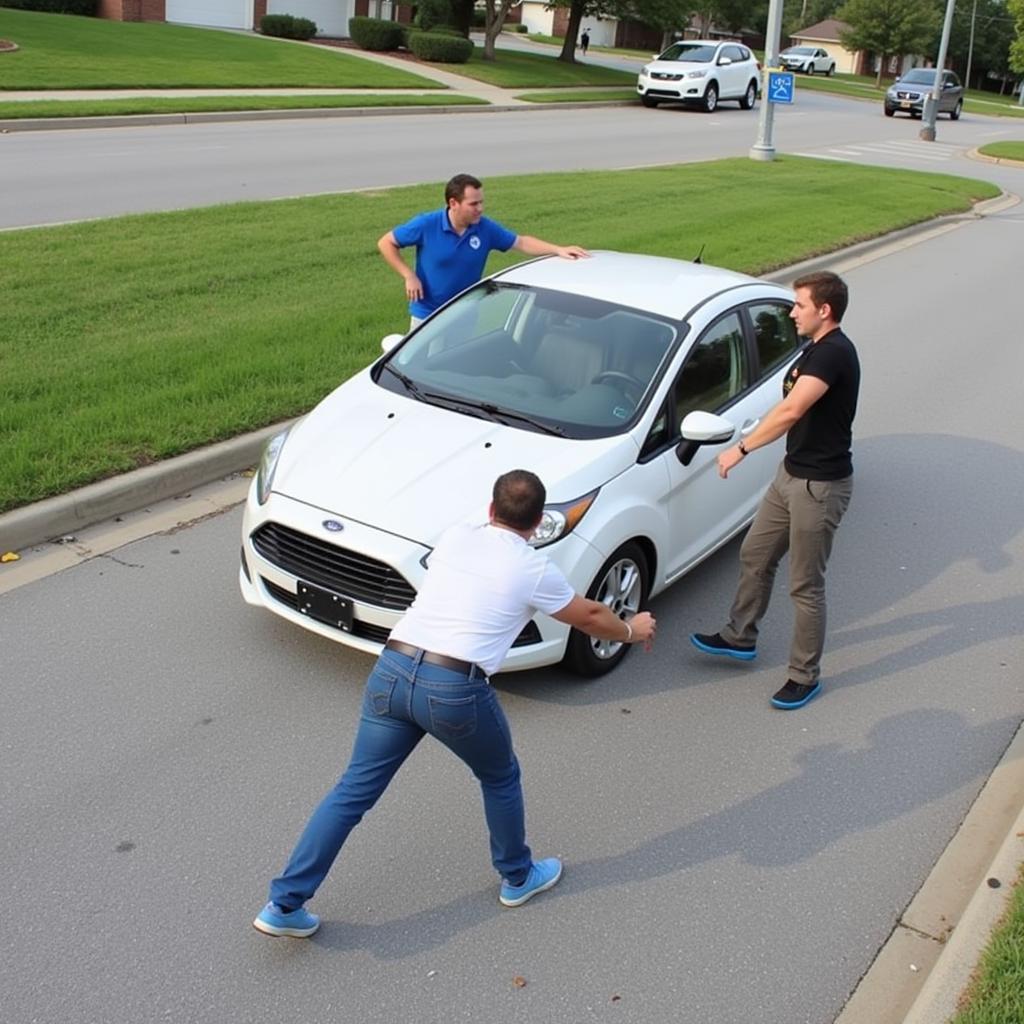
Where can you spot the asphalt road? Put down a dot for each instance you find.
(161, 743)
(55, 176)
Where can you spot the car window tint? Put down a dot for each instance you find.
(775, 333)
(715, 370)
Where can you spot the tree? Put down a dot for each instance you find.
(987, 50)
(1016, 8)
(807, 13)
(578, 10)
(889, 27)
(670, 16)
(495, 13)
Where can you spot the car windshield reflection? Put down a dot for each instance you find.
(535, 359)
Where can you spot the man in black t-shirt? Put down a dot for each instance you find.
(804, 504)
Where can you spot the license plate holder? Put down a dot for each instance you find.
(324, 606)
(905, 103)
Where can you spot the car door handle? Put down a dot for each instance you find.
(748, 427)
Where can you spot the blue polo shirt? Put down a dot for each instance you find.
(446, 263)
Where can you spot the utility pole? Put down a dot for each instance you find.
(763, 148)
(970, 47)
(931, 103)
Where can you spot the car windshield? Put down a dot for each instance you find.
(799, 51)
(535, 359)
(693, 53)
(920, 76)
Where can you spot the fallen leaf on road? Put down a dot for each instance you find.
(9, 556)
(519, 981)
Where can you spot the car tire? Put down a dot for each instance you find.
(954, 114)
(889, 112)
(831, 70)
(809, 69)
(709, 102)
(649, 101)
(748, 98)
(621, 584)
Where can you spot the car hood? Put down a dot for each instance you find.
(677, 67)
(413, 469)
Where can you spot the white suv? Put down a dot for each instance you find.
(701, 72)
(809, 59)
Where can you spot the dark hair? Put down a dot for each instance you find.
(456, 188)
(828, 289)
(519, 498)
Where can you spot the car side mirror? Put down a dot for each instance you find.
(724, 61)
(700, 428)
(388, 342)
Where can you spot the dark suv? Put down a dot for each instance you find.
(909, 93)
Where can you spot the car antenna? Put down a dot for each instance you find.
(698, 258)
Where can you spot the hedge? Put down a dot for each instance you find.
(440, 48)
(287, 26)
(376, 33)
(86, 7)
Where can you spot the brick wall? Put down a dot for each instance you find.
(132, 10)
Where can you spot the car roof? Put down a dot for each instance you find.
(666, 287)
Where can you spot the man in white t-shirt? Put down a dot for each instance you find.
(483, 585)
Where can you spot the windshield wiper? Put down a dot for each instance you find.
(408, 383)
(496, 410)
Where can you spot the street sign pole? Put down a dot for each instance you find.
(763, 148)
(931, 103)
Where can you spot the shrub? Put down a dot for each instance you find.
(431, 12)
(479, 17)
(439, 48)
(87, 7)
(376, 33)
(286, 26)
(448, 30)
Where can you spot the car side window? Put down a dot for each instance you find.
(775, 334)
(715, 371)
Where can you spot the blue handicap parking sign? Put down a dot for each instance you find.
(780, 86)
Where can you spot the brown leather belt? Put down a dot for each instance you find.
(455, 664)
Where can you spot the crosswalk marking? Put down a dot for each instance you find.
(933, 152)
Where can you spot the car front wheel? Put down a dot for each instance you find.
(622, 585)
(809, 69)
(954, 114)
(749, 96)
(649, 101)
(831, 70)
(889, 111)
(710, 101)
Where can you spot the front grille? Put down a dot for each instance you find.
(337, 569)
(529, 634)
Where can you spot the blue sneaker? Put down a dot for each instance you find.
(543, 875)
(272, 920)
(795, 695)
(712, 643)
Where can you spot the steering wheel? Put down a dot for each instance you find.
(629, 382)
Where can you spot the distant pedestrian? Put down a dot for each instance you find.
(483, 584)
(452, 246)
(803, 506)
(585, 41)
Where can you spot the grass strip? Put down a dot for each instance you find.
(996, 995)
(136, 338)
(514, 70)
(1005, 150)
(20, 109)
(62, 51)
(570, 96)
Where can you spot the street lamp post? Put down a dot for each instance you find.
(931, 105)
(763, 148)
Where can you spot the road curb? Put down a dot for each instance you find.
(53, 517)
(976, 154)
(920, 972)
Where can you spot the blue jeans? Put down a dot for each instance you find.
(406, 698)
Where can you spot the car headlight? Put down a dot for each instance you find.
(696, 74)
(559, 520)
(268, 464)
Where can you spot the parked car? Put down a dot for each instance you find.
(809, 59)
(616, 379)
(701, 72)
(907, 94)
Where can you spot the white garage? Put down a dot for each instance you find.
(218, 13)
(331, 16)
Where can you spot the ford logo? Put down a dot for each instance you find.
(332, 526)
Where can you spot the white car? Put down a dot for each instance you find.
(616, 379)
(809, 59)
(701, 72)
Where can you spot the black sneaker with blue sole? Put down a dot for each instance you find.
(712, 643)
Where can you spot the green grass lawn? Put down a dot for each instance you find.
(514, 70)
(996, 995)
(61, 51)
(581, 96)
(132, 339)
(20, 109)
(615, 51)
(1006, 150)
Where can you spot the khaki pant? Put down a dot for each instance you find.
(801, 517)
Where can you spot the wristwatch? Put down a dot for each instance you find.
(743, 448)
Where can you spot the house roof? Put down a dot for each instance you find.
(826, 31)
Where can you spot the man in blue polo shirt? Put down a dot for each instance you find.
(452, 246)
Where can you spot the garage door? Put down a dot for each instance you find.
(220, 13)
(331, 16)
